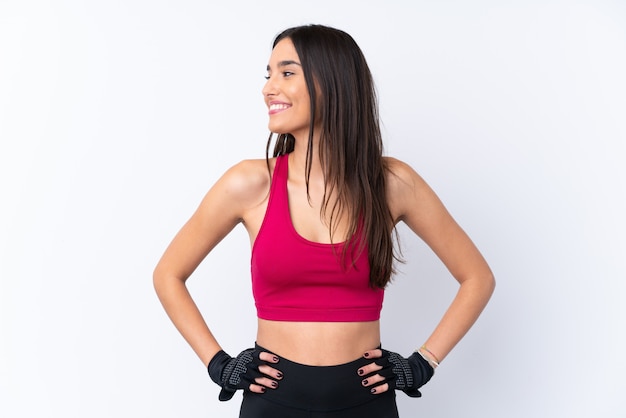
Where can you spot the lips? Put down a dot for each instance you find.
(276, 107)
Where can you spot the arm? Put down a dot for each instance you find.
(227, 203)
(412, 201)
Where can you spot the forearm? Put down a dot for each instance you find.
(469, 302)
(186, 316)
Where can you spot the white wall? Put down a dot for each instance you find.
(117, 116)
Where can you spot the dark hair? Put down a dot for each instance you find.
(350, 145)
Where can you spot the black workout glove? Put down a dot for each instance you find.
(234, 373)
(405, 374)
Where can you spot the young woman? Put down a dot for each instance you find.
(321, 217)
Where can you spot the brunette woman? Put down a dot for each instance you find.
(321, 215)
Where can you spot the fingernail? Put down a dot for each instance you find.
(262, 389)
(373, 390)
(366, 355)
(365, 382)
(360, 372)
(275, 359)
(274, 384)
(279, 375)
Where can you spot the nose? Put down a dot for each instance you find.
(270, 88)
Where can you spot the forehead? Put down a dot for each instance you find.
(284, 51)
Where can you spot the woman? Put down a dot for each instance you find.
(321, 217)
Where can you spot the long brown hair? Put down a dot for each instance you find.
(350, 146)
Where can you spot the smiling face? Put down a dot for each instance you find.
(285, 92)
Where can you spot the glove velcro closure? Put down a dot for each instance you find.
(226, 394)
(217, 365)
(421, 367)
(422, 372)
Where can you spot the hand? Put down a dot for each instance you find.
(392, 371)
(248, 371)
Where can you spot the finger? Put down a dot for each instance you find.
(256, 388)
(372, 380)
(377, 390)
(269, 357)
(377, 353)
(369, 368)
(266, 382)
(270, 371)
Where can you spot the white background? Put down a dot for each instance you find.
(117, 116)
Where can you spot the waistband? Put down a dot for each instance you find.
(319, 388)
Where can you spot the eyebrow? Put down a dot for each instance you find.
(285, 63)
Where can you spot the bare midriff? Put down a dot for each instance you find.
(318, 343)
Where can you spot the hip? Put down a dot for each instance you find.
(319, 391)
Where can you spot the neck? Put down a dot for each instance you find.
(298, 157)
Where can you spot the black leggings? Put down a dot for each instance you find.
(319, 392)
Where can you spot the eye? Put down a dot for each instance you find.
(287, 73)
(267, 77)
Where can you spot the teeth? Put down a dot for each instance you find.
(278, 106)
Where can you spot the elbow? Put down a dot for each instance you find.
(481, 281)
(165, 280)
(481, 284)
(160, 280)
(157, 280)
(489, 284)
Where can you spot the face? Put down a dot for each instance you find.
(285, 92)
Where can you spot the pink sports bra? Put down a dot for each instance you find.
(294, 279)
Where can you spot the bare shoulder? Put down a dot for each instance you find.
(401, 177)
(228, 202)
(243, 187)
(406, 189)
(247, 181)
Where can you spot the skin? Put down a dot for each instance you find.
(240, 196)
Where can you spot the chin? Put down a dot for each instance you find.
(277, 129)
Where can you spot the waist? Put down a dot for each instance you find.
(320, 388)
(318, 343)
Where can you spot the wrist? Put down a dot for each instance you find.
(422, 369)
(216, 366)
(428, 355)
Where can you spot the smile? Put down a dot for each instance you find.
(278, 107)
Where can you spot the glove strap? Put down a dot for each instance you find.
(216, 366)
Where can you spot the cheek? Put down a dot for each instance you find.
(300, 93)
